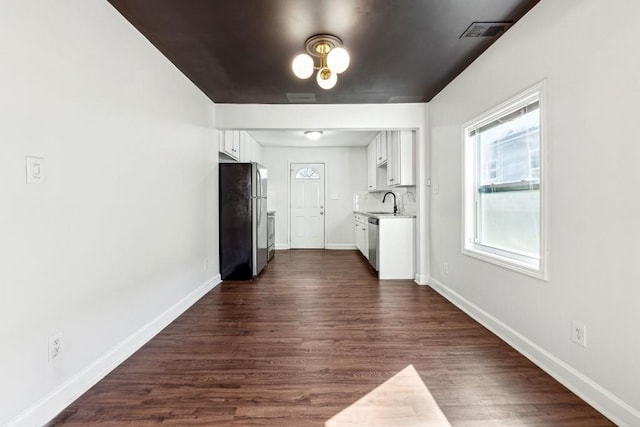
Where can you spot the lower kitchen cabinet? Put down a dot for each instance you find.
(396, 248)
(362, 234)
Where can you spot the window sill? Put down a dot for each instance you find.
(508, 263)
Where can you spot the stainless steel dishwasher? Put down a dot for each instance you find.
(374, 241)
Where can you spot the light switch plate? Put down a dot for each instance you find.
(35, 170)
(333, 196)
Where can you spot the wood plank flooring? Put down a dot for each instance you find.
(312, 335)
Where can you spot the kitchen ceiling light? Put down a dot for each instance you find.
(334, 60)
(313, 134)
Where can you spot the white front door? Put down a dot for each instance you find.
(307, 205)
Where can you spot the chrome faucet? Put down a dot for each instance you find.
(395, 204)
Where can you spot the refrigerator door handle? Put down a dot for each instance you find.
(259, 206)
(259, 195)
(258, 184)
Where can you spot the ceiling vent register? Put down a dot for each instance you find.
(486, 29)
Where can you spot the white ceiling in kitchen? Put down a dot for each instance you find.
(296, 138)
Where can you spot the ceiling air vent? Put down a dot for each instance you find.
(486, 29)
(301, 98)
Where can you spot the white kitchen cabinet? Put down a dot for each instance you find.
(371, 166)
(381, 148)
(246, 147)
(362, 234)
(229, 143)
(376, 176)
(396, 248)
(250, 150)
(400, 158)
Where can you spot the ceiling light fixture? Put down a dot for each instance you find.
(313, 135)
(334, 60)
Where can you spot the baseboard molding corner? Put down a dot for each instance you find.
(591, 392)
(341, 246)
(421, 279)
(42, 411)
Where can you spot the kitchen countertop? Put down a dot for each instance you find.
(385, 214)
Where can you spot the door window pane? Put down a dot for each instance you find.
(307, 173)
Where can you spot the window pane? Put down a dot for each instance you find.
(307, 173)
(508, 215)
(510, 221)
(510, 152)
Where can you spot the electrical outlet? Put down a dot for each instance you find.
(445, 268)
(205, 264)
(55, 346)
(579, 333)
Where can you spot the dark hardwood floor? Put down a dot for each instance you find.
(313, 334)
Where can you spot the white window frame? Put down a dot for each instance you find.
(470, 173)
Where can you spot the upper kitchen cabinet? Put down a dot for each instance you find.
(250, 150)
(229, 144)
(400, 158)
(238, 145)
(381, 148)
(376, 176)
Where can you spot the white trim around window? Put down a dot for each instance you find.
(484, 182)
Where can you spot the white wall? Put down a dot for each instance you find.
(112, 245)
(345, 172)
(588, 52)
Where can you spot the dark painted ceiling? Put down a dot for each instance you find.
(240, 51)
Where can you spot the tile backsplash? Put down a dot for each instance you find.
(372, 202)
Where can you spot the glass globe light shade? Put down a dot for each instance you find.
(326, 79)
(338, 60)
(302, 66)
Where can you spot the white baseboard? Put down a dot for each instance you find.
(594, 394)
(53, 403)
(330, 246)
(421, 279)
(341, 246)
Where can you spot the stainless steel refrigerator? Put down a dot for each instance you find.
(243, 220)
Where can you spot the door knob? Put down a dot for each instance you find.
(321, 213)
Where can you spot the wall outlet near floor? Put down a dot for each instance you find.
(445, 267)
(55, 346)
(579, 333)
(205, 264)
